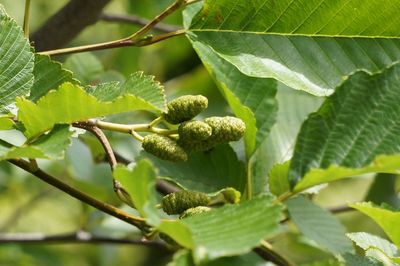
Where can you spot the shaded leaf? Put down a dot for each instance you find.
(383, 190)
(278, 181)
(339, 133)
(49, 146)
(49, 75)
(308, 45)
(319, 225)
(16, 61)
(206, 172)
(356, 260)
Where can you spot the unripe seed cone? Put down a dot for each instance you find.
(194, 131)
(193, 211)
(184, 108)
(225, 129)
(178, 202)
(164, 148)
(193, 146)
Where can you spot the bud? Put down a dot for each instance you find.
(193, 211)
(185, 108)
(178, 202)
(194, 131)
(164, 148)
(225, 129)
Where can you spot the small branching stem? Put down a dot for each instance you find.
(137, 39)
(133, 129)
(26, 18)
(267, 252)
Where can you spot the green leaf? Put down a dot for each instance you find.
(319, 225)
(49, 146)
(339, 133)
(140, 184)
(232, 229)
(294, 106)
(308, 45)
(184, 258)
(206, 172)
(367, 241)
(383, 190)
(380, 164)
(387, 219)
(70, 103)
(278, 181)
(85, 67)
(251, 99)
(6, 123)
(49, 75)
(16, 61)
(356, 260)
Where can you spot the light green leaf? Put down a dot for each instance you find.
(339, 133)
(16, 61)
(319, 225)
(232, 229)
(380, 164)
(140, 184)
(356, 260)
(308, 45)
(49, 75)
(49, 146)
(387, 219)
(278, 181)
(138, 84)
(251, 99)
(70, 103)
(206, 172)
(367, 241)
(6, 123)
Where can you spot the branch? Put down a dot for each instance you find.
(132, 19)
(80, 237)
(266, 252)
(102, 206)
(67, 23)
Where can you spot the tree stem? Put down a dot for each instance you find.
(102, 206)
(26, 18)
(80, 237)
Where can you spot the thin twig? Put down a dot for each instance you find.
(102, 206)
(99, 134)
(114, 44)
(80, 237)
(132, 19)
(26, 18)
(266, 252)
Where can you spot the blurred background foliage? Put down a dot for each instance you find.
(29, 206)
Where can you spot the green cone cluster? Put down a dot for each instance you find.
(224, 130)
(185, 108)
(164, 147)
(193, 135)
(178, 202)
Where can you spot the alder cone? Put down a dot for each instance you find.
(225, 129)
(185, 108)
(194, 131)
(164, 148)
(178, 202)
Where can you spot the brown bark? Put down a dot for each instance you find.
(67, 23)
